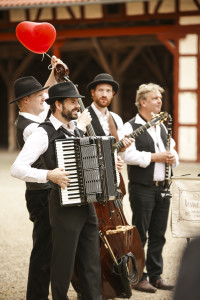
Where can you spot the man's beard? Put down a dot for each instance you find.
(100, 104)
(68, 115)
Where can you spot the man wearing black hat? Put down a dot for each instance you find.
(74, 228)
(102, 89)
(30, 99)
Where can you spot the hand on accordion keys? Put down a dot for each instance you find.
(59, 176)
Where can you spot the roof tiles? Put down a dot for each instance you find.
(26, 3)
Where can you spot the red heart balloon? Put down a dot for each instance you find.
(37, 37)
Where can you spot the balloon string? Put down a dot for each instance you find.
(50, 66)
(47, 55)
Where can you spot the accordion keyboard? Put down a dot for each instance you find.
(90, 163)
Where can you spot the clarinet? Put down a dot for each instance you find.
(167, 182)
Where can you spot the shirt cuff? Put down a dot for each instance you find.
(146, 159)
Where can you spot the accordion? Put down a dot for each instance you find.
(91, 163)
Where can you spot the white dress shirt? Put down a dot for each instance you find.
(36, 145)
(103, 119)
(142, 158)
(39, 119)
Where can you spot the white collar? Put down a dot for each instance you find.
(139, 120)
(57, 123)
(30, 116)
(98, 112)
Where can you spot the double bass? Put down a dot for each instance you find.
(120, 246)
(121, 251)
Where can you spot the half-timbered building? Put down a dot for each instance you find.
(135, 41)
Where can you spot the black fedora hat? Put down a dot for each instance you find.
(103, 78)
(26, 86)
(61, 91)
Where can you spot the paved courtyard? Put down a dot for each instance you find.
(16, 229)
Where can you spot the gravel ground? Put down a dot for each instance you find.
(16, 230)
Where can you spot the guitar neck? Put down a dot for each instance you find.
(134, 134)
(90, 130)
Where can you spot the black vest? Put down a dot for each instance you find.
(144, 142)
(49, 157)
(96, 124)
(20, 124)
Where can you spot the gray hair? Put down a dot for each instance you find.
(143, 90)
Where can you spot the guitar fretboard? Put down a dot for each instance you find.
(134, 134)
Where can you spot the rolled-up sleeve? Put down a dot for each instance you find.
(36, 144)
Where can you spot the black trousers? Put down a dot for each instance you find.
(75, 234)
(150, 215)
(39, 267)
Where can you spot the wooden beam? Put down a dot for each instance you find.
(158, 6)
(57, 48)
(153, 64)
(116, 103)
(82, 12)
(81, 67)
(38, 14)
(175, 95)
(169, 30)
(4, 74)
(23, 66)
(101, 55)
(54, 12)
(146, 7)
(123, 66)
(172, 30)
(70, 11)
(197, 4)
(168, 44)
(9, 75)
(112, 43)
(27, 12)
